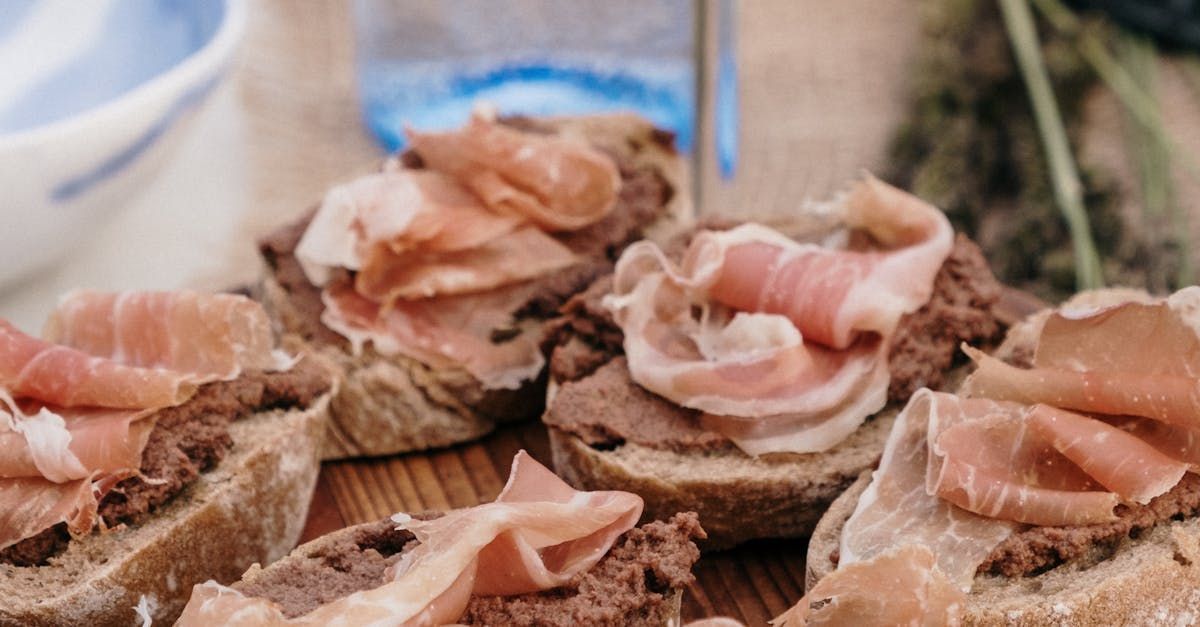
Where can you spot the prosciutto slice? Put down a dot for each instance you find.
(1150, 372)
(436, 266)
(555, 182)
(511, 258)
(956, 470)
(536, 535)
(65, 444)
(917, 593)
(75, 419)
(442, 331)
(901, 507)
(208, 337)
(33, 504)
(396, 214)
(907, 556)
(781, 344)
(52, 373)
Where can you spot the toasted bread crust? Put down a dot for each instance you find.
(394, 404)
(738, 497)
(251, 508)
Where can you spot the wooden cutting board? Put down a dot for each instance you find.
(752, 583)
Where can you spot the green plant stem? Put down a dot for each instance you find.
(1149, 158)
(1068, 191)
(1142, 104)
(1191, 72)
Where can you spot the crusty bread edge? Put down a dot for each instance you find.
(394, 404)
(787, 493)
(250, 508)
(1154, 579)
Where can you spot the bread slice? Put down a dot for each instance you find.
(394, 404)
(1150, 578)
(639, 582)
(738, 497)
(1153, 579)
(249, 508)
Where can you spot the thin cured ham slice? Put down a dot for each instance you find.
(833, 295)
(1045, 466)
(555, 182)
(205, 336)
(473, 221)
(403, 211)
(1178, 443)
(956, 470)
(441, 331)
(425, 209)
(75, 417)
(523, 254)
(898, 587)
(536, 536)
(33, 368)
(30, 505)
(900, 507)
(1167, 398)
(65, 444)
(1118, 460)
(781, 344)
(906, 556)
(1151, 371)
(999, 466)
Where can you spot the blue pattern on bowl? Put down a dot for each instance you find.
(139, 40)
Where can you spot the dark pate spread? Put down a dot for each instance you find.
(186, 441)
(630, 585)
(1034, 550)
(595, 379)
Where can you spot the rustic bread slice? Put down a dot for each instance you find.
(639, 582)
(738, 497)
(249, 508)
(394, 404)
(1153, 578)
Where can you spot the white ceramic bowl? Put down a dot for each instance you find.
(93, 95)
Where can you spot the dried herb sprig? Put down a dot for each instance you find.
(1068, 190)
(1140, 102)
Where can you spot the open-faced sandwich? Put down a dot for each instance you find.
(541, 554)
(750, 374)
(148, 442)
(1055, 488)
(430, 283)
